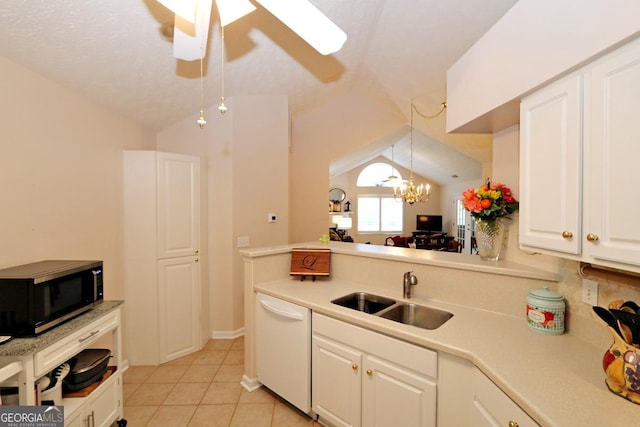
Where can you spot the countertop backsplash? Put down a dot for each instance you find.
(581, 320)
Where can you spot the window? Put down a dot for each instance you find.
(378, 211)
(376, 174)
(379, 214)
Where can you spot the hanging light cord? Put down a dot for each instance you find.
(443, 107)
(222, 107)
(201, 121)
(413, 107)
(201, 84)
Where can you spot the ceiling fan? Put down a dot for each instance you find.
(392, 180)
(192, 19)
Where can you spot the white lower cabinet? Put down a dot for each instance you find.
(358, 384)
(493, 408)
(336, 378)
(392, 392)
(178, 307)
(99, 409)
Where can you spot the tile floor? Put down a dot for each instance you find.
(203, 389)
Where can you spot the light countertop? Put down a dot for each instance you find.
(19, 347)
(557, 380)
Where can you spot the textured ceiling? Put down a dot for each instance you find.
(114, 53)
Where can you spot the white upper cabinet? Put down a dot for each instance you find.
(614, 166)
(579, 161)
(551, 167)
(178, 205)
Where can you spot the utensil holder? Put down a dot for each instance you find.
(621, 363)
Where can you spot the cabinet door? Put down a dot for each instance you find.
(551, 167)
(103, 404)
(393, 395)
(178, 307)
(336, 382)
(615, 153)
(75, 420)
(178, 205)
(491, 407)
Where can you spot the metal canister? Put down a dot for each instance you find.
(546, 311)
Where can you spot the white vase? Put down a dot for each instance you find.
(489, 237)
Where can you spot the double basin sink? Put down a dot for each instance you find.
(401, 312)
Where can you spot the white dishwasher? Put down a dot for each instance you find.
(283, 344)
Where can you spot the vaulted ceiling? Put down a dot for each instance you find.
(114, 52)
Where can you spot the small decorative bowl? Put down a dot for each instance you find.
(621, 364)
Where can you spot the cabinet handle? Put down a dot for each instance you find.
(89, 336)
(197, 260)
(567, 234)
(592, 237)
(196, 251)
(369, 372)
(513, 424)
(91, 420)
(354, 367)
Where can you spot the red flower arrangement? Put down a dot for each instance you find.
(491, 201)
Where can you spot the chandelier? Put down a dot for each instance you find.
(409, 192)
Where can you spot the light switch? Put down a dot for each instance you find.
(243, 241)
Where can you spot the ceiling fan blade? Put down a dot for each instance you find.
(190, 40)
(309, 23)
(186, 9)
(231, 10)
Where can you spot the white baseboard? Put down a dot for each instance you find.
(250, 384)
(227, 335)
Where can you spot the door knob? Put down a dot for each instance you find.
(567, 234)
(592, 237)
(369, 372)
(354, 367)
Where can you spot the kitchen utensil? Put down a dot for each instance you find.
(608, 318)
(632, 305)
(632, 320)
(625, 331)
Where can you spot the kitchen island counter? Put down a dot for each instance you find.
(557, 380)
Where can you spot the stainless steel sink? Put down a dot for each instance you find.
(364, 302)
(401, 312)
(417, 315)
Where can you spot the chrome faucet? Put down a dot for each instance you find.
(408, 280)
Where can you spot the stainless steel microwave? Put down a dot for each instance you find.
(38, 296)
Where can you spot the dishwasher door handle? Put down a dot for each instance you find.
(282, 312)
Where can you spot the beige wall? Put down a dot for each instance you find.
(349, 180)
(248, 173)
(536, 40)
(319, 137)
(61, 175)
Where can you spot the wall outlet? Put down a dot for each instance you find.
(589, 292)
(243, 241)
(272, 217)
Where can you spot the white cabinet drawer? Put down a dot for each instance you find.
(66, 348)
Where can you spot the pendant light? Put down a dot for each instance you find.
(409, 192)
(222, 107)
